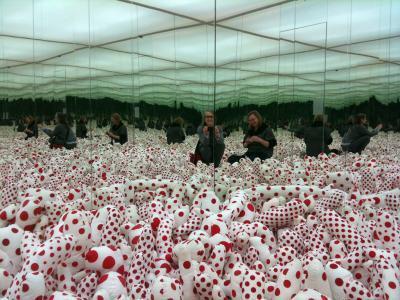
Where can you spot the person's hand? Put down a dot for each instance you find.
(379, 127)
(205, 130)
(217, 132)
(252, 139)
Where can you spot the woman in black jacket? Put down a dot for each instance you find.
(358, 136)
(118, 131)
(31, 129)
(317, 137)
(62, 136)
(175, 132)
(81, 130)
(259, 139)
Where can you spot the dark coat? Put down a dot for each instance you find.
(121, 131)
(317, 138)
(81, 130)
(32, 127)
(265, 133)
(175, 134)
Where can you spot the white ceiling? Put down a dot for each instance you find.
(162, 51)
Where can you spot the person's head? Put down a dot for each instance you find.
(29, 119)
(61, 118)
(209, 119)
(254, 119)
(319, 119)
(360, 119)
(350, 120)
(82, 120)
(178, 121)
(115, 119)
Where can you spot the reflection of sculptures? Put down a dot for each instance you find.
(259, 139)
(211, 145)
(118, 131)
(358, 136)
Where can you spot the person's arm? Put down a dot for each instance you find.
(122, 134)
(56, 132)
(203, 136)
(219, 135)
(267, 140)
(363, 131)
(246, 140)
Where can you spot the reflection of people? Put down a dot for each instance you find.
(62, 135)
(81, 130)
(317, 137)
(118, 131)
(211, 145)
(345, 127)
(358, 136)
(150, 124)
(159, 124)
(31, 128)
(259, 139)
(139, 123)
(190, 129)
(175, 132)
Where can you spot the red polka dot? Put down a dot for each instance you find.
(215, 229)
(324, 276)
(92, 256)
(108, 262)
(287, 284)
(25, 287)
(6, 242)
(392, 285)
(277, 292)
(187, 264)
(339, 281)
(35, 267)
(24, 216)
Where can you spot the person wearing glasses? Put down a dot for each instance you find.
(259, 139)
(210, 147)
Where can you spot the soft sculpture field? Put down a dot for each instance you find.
(141, 222)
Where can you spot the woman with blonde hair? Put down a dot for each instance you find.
(259, 139)
(210, 147)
